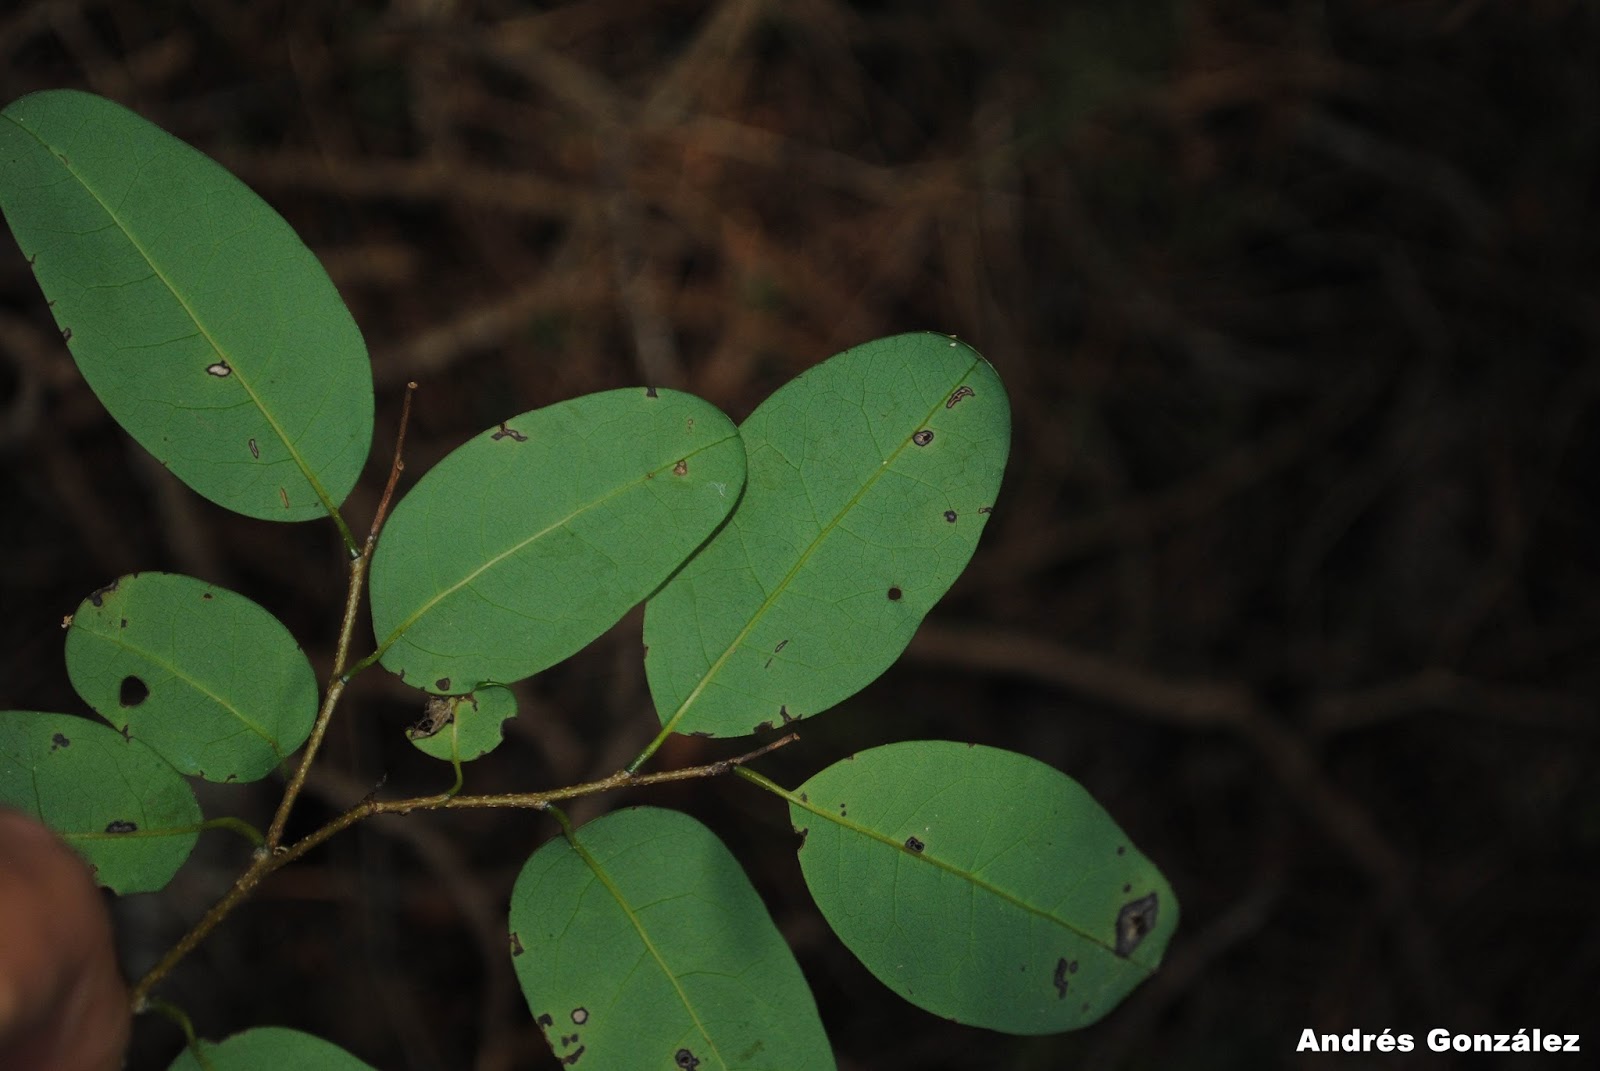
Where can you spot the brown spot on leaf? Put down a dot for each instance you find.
(66, 334)
(1060, 979)
(923, 437)
(580, 1015)
(98, 595)
(681, 468)
(895, 594)
(59, 740)
(1134, 923)
(437, 712)
(685, 1059)
(508, 433)
(255, 451)
(914, 844)
(132, 691)
(545, 1021)
(784, 715)
(206, 596)
(220, 369)
(985, 509)
(763, 727)
(285, 496)
(516, 944)
(962, 391)
(572, 1057)
(121, 826)
(650, 392)
(443, 684)
(950, 516)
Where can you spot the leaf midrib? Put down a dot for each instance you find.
(519, 546)
(822, 535)
(632, 916)
(924, 856)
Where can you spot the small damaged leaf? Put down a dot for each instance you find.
(460, 728)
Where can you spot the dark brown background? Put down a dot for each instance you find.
(1295, 564)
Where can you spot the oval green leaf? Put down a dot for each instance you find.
(533, 538)
(460, 728)
(639, 942)
(870, 479)
(207, 328)
(270, 1048)
(206, 678)
(981, 885)
(133, 817)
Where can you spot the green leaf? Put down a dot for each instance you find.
(981, 885)
(209, 680)
(640, 943)
(534, 537)
(870, 479)
(115, 801)
(460, 728)
(201, 320)
(270, 1048)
